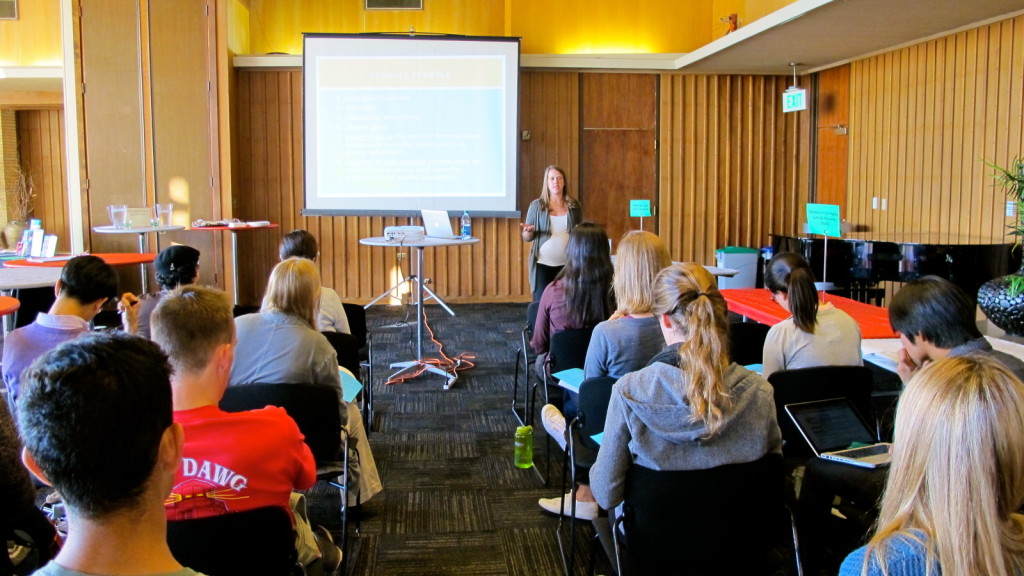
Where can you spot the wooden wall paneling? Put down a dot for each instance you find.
(41, 146)
(184, 147)
(114, 150)
(833, 108)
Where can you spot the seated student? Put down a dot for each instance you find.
(624, 344)
(690, 408)
(935, 319)
(85, 285)
(95, 416)
(817, 334)
(280, 344)
(263, 446)
(18, 510)
(956, 483)
(175, 265)
(331, 316)
(579, 297)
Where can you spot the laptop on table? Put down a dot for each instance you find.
(832, 426)
(437, 224)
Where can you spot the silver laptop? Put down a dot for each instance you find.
(437, 224)
(832, 426)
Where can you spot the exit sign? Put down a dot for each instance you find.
(794, 99)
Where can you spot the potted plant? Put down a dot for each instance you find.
(1002, 299)
(24, 202)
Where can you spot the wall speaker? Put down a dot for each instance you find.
(394, 4)
(8, 9)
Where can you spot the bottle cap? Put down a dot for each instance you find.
(524, 430)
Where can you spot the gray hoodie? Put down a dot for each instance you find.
(649, 423)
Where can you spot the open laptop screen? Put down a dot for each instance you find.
(830, 425)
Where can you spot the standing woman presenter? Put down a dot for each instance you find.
(549, 221)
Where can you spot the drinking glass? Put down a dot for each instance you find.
(163, 213)
(118, 215)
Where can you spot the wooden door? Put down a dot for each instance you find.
(618, 161)
(833, 105)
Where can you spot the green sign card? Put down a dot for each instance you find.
(823, 219)
(640, 208)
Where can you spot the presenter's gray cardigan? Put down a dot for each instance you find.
(649, 423)
(538, 218)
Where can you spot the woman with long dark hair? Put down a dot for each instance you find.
(580, 296)
(817, 334)
(549, 222)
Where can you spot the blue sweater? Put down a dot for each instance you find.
(904, 556)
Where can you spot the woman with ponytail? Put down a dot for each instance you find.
(691, 408)
(816, 334)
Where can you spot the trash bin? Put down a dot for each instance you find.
(738, 258)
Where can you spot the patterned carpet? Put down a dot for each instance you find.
(453, 503)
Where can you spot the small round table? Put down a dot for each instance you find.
(234, 246)
(141, 231)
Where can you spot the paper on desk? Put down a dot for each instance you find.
(886, 360)
(759, 368)
(350, 386)
(570, 379)
(599, 437)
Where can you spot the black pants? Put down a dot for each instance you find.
(543, 276)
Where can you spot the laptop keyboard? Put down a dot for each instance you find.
(866, 451)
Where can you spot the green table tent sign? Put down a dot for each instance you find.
(823, 219)
(640, 208)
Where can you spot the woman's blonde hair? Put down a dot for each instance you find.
(294, 288)
(545, 192)
(640, 257)
(687, 294)
(957, 472)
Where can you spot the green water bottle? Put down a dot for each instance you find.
(524, 447)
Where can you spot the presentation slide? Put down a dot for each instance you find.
(396, 124)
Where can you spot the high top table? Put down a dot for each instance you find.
(756, 304)
(14, 279)
(141, 231)
(234, 245)
(417, 277)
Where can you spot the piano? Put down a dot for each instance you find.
(859, 261)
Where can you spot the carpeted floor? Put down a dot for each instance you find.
(453, 503)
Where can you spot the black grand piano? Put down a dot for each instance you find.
(859, 261)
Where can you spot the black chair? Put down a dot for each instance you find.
(819, 383)
(568, 349)
(347, 348)
(746, 341)
(725, 521)
(259, 541)
(595, 394)
(315, 409)
(526, 416)
(356, 315)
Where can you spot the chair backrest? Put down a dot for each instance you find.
(568, 348)
(746, 342)
(595, 393)
(722, 521)
(356, 315)
(531, 316)
(347, 347)
(819, 383)
(314, 408)
(259, 541)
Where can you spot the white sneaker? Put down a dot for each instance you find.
(584, 510)
(554, 423)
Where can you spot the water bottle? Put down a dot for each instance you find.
(467, 226)
(524, 447)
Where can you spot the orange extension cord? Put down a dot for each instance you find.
(453, 366)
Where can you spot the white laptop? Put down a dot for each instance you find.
(832, 426)
(437, 224)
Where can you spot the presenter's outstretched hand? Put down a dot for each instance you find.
(527, 230)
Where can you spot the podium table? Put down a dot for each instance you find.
(417, 277)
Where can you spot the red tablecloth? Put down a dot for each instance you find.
(112, 258)
(8, 305)
(756, 304)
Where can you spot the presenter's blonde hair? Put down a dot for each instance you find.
(689, 296)
(294, 288)
(641, 256)
(957, 472)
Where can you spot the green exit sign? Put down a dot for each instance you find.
(794, 99)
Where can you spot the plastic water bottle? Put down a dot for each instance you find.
(524, 447)
(467, 226)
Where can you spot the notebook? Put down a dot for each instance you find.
(832, 426)
(437, 224)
